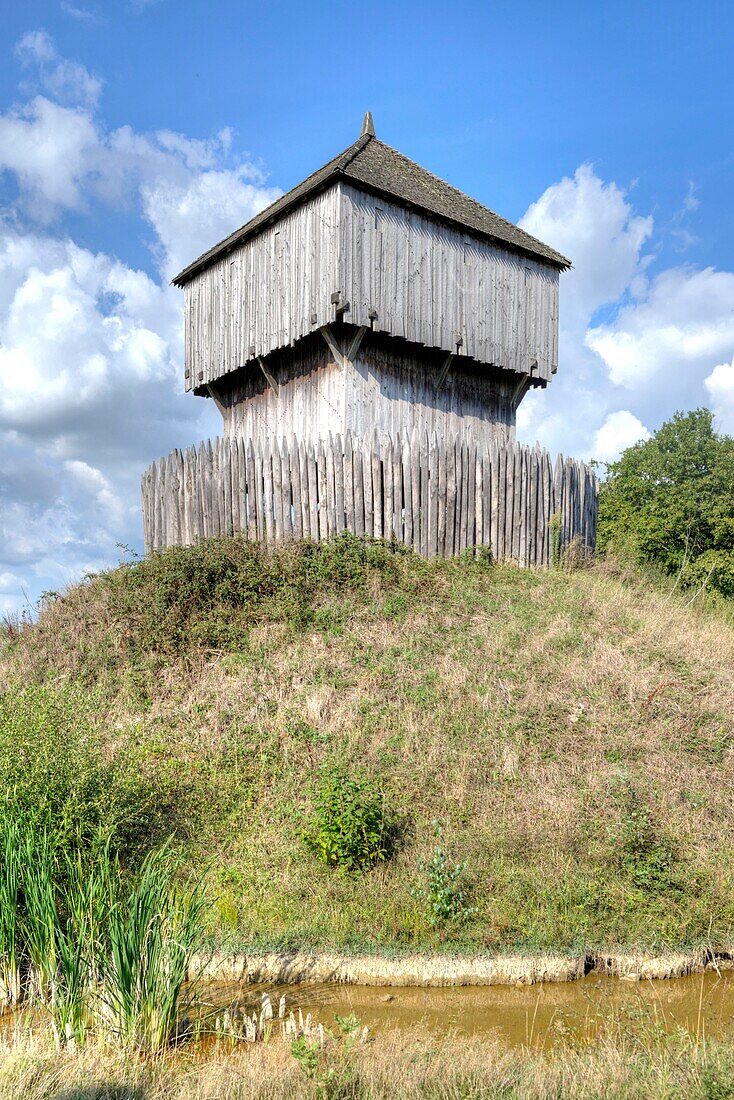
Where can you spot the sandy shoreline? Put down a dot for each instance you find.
(443, 970)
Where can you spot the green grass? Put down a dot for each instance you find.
(571, 732)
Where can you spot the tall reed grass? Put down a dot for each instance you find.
(91, 947)
(153, 931)
(10, 912)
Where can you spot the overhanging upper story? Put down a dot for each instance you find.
(376, 241)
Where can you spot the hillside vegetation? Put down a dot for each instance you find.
(569, 733)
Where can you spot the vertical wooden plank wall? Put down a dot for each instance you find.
(439, 498)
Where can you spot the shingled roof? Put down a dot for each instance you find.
(371, 165)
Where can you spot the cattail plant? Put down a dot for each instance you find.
(10, 909)
(154, 931)
(40, 918)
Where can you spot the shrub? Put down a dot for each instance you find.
(55, 772)
(647, 857)
(185, 599)
(350, 827)
(444, 891)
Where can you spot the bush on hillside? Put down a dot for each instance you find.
(55, 773)
(669, 502)
(205, 596)
(350, 828)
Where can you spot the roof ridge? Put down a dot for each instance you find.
(464, 195)
(355, 149)
(435, 196)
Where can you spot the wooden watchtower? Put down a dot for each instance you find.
(372, 297)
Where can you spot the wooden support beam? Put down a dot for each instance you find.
(355, 344)
(211, 390)
(270, 379)
(331, 340)
(444, 370)
(521, 389)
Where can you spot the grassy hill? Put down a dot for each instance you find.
(572, 733)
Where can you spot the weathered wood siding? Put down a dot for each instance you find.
(439, 499)
(388, 387)
(309, 401)
(392, 388)
(269, 292)
(425, 282)
(428, 283)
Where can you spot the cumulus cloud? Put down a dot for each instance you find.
(720, 388)
(593, 224)
(50, 150)
(189, 217)
(619, 431)
(654, 336)
(91, 377)
(682, 323)
(64, 80)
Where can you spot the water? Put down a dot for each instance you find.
(535, 1016)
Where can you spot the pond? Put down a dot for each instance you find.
(536, 1016)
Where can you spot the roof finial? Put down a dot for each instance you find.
(368, 126)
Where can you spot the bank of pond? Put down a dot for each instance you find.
(91, 952)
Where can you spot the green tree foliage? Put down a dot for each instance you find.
(669, 502)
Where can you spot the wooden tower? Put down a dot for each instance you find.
(372, 296)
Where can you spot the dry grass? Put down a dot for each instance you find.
(540, 717)
(412, 1066)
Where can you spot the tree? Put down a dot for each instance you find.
(669, 502)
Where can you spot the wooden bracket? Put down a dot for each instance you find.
(521, 389)
(444, 370)
(215, 397)
(355, 344)
(268, 376)
(341, 357)
(331, 340)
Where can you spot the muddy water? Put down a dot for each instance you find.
(537, 1016)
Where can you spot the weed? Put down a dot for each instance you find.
(307, 1055)
(444, 891)
(351, 828)
(647, 857)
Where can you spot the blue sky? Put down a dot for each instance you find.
(134, 134)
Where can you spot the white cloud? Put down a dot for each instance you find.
(91, 375)
(50, 150)
(67, 81)
(657, 335)
(64, 160)
(683, 322)
(189, 218)
(619, 431)
(593, 224)
(76, 329)
(720, 387)
(82, 15)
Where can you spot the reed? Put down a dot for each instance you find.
(90, 947)
(40, 917)
(10, 910)
(154, 931)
